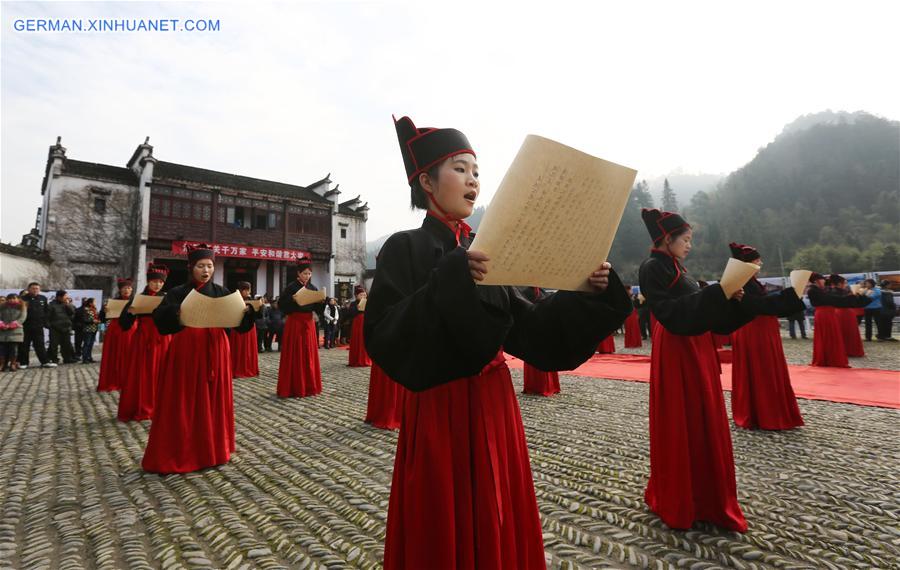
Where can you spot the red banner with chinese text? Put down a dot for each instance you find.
(246, 251)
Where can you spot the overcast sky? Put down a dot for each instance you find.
(293, 92)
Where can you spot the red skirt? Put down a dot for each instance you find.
(386, 397)
(691, 458)
(540, 382)
(358, 354)
(115, 356)
(632, 331)
(138, 389)
(828, 339)
(193, 418)
(298, 371)
(462, 494)
(607, 345)
(850, 329)
(761, 393)
(244, 353)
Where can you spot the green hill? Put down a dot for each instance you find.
(826, 192)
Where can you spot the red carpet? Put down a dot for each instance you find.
(863, 386)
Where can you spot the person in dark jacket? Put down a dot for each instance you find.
(78, 329)
(34, 327)
(91, 320)
(263, 343)
(60, 316)
(332, 317)
(276, 324)
(888, 311)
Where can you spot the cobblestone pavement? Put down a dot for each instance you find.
(308, 486)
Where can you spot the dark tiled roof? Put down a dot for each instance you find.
(20, 251)
(344, 208)
(100, 171)
(172, 171)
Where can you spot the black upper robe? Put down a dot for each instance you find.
(831, 298)
(681, 306)
(353, 310)
(780, 304)
(288, 305)
(428, 323)
(165, 316)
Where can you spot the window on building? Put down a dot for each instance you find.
(261, 220)
(343, 233)
(273, 220)
(100, 205)
(237, 217)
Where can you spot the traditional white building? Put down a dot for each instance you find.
(99, 222)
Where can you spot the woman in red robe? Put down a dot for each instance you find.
(761, 394)
(462, 494)
(537, 381)
(607, 345)
(829, 340)
(384, 407)
(193, 417)
(691, 458)
(848, 318)
(116, 346)
(138, 390)
(633, 325)
(299, 374)
(358, 355)
(244, 345)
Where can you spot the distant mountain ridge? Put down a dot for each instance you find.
(823, 195)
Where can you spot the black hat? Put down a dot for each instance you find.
(302, 264)
(815, 277)
(835, 279)
(743, 252)
(157, 271)
(61, 293)
(124, 282)
(241, 285)
(199, 251)
(660, 224)
(359, 289)
(424, 148)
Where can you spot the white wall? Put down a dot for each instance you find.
(350, 252)
(18, 271)
(104, 242)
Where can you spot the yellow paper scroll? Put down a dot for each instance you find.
(144, 304)
(255, 303)
(201, 312)
(553, 218)
(361, 305)
(114, 308)
(736, 275)
(308, 297)
(799, 279)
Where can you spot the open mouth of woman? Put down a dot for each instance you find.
(470, 197)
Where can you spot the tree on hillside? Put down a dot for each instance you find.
(669, 202)
(631, 242)
(641, 194)
(889, 260)
(813, 258)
